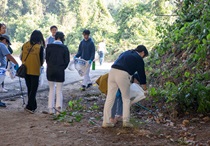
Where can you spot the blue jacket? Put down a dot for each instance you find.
(131, 62)
(86, 50)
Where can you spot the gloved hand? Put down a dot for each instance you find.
(90, 61)
(16, 67)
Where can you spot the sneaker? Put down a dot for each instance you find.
(108, 125)
(2, 104)
(127, 125)
(58, 110)
(83, 88)
(89, 85)
(29, 111)
(2, 90)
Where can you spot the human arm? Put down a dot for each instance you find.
(66, 57)
(79, 53)
(41, 55)
(92, 49)
(141, 74)
(11, 58)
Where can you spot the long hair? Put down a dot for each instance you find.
(37, 38)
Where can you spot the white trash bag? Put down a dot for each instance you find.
(2, 74)
(136, 93)
(41, 77)
(11, 72)
(71, 66)
(81, 66)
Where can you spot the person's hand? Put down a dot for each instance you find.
(146, 93)
(90, 61)
(144, 87)
(75, 57)
(16, 67)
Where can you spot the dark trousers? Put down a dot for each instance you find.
(32, 83)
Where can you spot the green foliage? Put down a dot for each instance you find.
(123, 24)
(72, 113)
(184, 53)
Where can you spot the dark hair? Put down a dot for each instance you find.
(1, 25)
(37, 37)
(142, 48)
(60, 35)
(86, 31)
(53, 27)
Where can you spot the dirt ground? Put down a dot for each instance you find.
(19, 128)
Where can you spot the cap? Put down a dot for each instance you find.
(6, 37)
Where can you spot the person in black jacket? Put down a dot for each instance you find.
(125, 66)
(57, 58)
(87, 52)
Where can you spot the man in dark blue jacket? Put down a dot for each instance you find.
(124, 67)
(87, 52)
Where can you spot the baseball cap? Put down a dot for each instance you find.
(6, 37)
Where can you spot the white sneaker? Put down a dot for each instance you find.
(107, 125)
(2, 90)
(127, 125)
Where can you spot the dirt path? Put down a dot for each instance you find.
(19, 128)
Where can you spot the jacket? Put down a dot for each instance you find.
(35, 59)
(57, 58)
(102, 82)
(86, 50)
(131, 62)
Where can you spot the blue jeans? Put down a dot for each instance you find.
(117, 107)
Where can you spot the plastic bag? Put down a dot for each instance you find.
(81, 66)
(71, 66)
(136, 93)
(11, 72)
(41, 77)
(2, 74)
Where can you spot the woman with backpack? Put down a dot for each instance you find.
(33, 57)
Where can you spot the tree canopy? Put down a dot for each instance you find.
(123, 24)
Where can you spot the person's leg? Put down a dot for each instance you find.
(114, 108)
(32, 105)
(59, 96)
(87, 76)
(112, 90)
(123, 82)
(28, 85)
(51, 100)
(119, 106)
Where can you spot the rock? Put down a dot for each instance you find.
(185, 122)
(206, 119)
(195, 119)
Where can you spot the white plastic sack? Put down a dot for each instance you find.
(71, 66)
(11, 72)
(41, 77)
(136, 93)
(2, 74)
(81, 66)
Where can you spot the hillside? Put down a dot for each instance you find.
(179, 66)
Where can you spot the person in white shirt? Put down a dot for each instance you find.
(51, 39)
(101, 51)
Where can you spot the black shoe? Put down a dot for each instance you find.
(2, 104)
(83, 88)
(89, 85)
(29, 111)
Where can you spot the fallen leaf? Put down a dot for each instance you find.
(195, 119)
(185, 122)
(206, 119)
